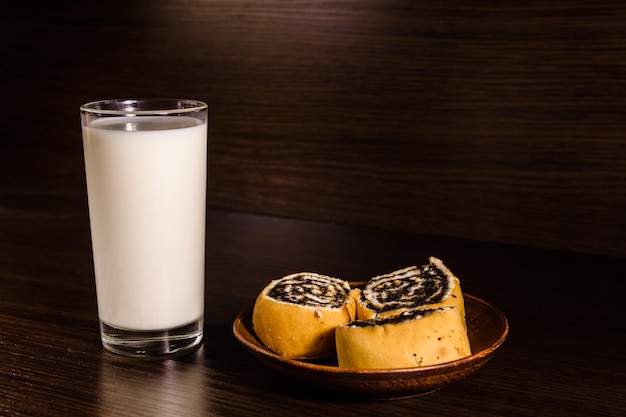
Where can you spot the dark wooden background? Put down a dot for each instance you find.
(497, 121)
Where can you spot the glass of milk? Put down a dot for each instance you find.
(146, 168)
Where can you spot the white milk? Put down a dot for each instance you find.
(147, 207)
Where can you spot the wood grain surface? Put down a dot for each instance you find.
(496, 121)
(564, 354)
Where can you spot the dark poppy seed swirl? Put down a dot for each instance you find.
(407, 289)
(404, 317)
(311, 290)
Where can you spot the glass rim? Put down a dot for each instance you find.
(143, 106)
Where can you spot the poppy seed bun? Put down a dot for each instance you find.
(410, 339)
(409, 317)
(431, 286)
(296, 316)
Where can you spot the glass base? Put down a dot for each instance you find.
(152, 343)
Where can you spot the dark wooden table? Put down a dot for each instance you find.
(564, 354)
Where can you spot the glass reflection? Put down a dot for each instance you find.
(132, 388)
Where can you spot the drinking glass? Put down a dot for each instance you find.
(146, 171)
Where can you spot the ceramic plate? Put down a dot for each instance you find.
(487, 329)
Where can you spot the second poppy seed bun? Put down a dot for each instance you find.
(431, 286)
